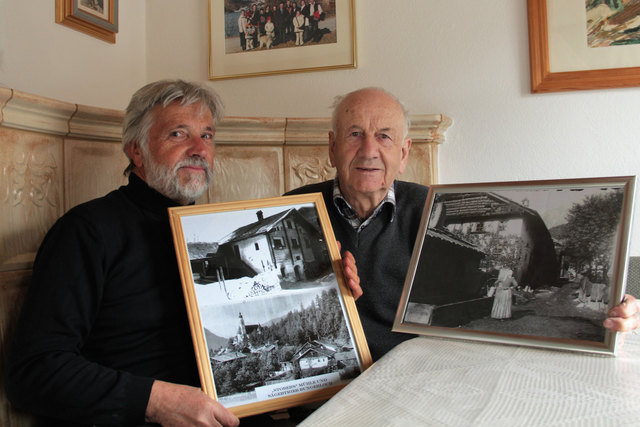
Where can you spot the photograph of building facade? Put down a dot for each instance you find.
(531, 261)
(286, 242)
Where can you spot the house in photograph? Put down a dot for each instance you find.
(506, 230)
(449, 286)
(314, 357)
(470, 236)
(285, 242)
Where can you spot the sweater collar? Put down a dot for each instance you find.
(147, 197)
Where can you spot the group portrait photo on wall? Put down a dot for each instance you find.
(262, 37)
(536, 263)
(273, 323)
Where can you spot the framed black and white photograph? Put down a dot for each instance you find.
(273, 322)
(535, 263)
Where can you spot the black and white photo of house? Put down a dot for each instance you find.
(269, 301)
(530, 261)
(286, 246)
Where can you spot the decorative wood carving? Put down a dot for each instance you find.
(246, 172)
(30, 193)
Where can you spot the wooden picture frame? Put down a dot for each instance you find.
(328, 43)
(535, 263)
(273, 322)
(544, 79)
(95, 18)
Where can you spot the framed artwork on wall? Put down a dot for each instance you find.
(97, 18)
(259, 39)
(272, 320)
(583, 44)
(535, 263)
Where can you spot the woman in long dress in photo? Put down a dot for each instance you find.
(502, 298)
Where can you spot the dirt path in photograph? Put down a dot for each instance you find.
(554, 313)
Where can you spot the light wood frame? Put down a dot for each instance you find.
(469, 232)
(72, 15)
(263, 240)
(542, 80)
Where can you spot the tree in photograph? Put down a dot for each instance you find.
(590, 232)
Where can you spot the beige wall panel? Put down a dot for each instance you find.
(306, 165)
(243, 173)
(13, 288)
(5, 95)
(92, 169)
(310, 131)
(250, 131)
(419, 167)
(96, 123)
(30, 193)
(37, 113)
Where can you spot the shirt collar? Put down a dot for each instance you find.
(348, 213)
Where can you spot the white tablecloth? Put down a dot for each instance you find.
(434, 381)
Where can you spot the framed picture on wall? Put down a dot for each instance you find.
(265, 38)
(583, 44)
(97, 18)
(272, 321)
(535, 263)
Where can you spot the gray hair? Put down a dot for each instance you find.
(338, 100)
(138, 118)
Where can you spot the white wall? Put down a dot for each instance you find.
(466, 59)
(39, 56)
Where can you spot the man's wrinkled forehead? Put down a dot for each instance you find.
(377, 111)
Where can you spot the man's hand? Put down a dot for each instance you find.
(351, 273)
(182, 405)
(624, 316)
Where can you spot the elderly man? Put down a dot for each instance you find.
(377, 217)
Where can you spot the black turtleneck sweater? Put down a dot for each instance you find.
(104, 315)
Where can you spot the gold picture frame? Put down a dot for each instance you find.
(95, 18)
(331, 45)
(273, 323)
(544, 80)
(535, 263)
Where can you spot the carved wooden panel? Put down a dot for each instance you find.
(307, 164)
(30, 193)
(92, 169)
(246, 172)
(13, 288)
(421, 166)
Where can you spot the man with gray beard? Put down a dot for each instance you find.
(103, 337)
